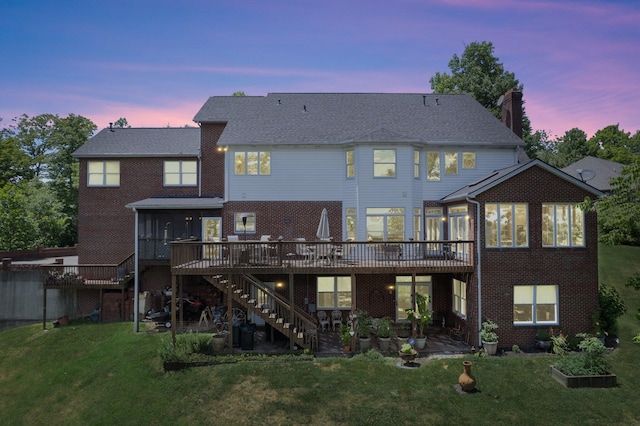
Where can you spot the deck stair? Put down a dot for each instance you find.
(257, 298)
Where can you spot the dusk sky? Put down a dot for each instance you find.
(156, 62)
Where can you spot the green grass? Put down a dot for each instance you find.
(105, 374)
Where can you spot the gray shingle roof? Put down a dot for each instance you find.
(499, 176)
(604, 170)
(343, 118)
(142, 142)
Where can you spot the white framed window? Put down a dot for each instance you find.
(350, 215)
(351, 163)
(433, 165)
(384, 162)
(506, 225)
(562, 225)
(252, 163)
(244, 223)
(460, 298)
(385, 224)
(180, 173)
(334, 292)
(468, 160)
(458, 219)
(403, 293)
(433, 226)
(451, 163)
(103, 173)
(535, 304)
(416, 164)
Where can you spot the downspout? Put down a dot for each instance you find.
(136, 278)
(200, 172)
(479, 269)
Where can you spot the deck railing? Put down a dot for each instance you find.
(302, 254)
(60, 275)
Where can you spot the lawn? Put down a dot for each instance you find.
(106, 374)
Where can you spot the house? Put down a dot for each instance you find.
(424, 194)
(595, 171)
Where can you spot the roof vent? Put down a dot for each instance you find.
(424, 100)
(279, 103)
(111, 127)
(304, 108)
(437, 101)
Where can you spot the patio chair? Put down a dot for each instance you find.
(302, 249)
(323, 320)
(233, 238)
(336, 319)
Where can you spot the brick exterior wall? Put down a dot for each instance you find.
(212, 160)
(291, 219)
(574, 270)
(106, 226)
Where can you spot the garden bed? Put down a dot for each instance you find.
(595, 381)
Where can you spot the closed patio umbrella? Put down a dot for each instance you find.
(323, 226)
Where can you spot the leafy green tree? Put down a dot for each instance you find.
(69, 134)
(239, 93)
(14, 163)
(479, 73)
(32, 135)
(121, 123)
(17, 226)
(614, 144)
(619, 212)
(50, 219)
(571, 147)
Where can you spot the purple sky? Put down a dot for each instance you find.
(156, 62)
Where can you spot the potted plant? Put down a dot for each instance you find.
(345, 337)
(423, 318)
(383, 333)
(403, 330)
(407, 353)
(543, 339)
(489, 336)
(364, 331)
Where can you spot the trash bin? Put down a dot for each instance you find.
(236, 333)
(246, 340)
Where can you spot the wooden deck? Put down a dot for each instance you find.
(197, 258)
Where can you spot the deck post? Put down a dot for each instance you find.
(291, 313)
(44, 308)
(173, 309)
(230, 312)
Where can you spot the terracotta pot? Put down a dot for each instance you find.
(466, 380)
(64, 320)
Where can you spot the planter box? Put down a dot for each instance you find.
(603, 381)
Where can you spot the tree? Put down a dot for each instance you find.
(478, 73)
(239, 93)
(32, 135)
(69, 134)
(121, 123)
(14, 163)
(614, 144)
(619, 212)
(17, 227)
(572, 147)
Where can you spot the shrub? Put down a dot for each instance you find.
(187, 345)
(611, 308)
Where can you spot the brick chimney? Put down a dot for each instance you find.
(512, 111)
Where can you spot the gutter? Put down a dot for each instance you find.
(479, 269)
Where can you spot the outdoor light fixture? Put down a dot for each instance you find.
(222, 148)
